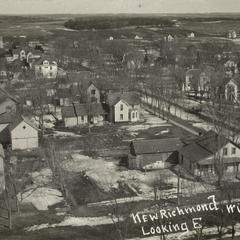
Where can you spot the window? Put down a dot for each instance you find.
(50, 67)
(121, 107)
(8, 109)
(225, 152)
(51, 74)
(82, 118)
(24, 127)
(93, 92)
(233, 150)
(40, 68)
(121, 116)
(136, 115)
(133, 115)
(210, 168)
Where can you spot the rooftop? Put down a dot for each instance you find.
(129, 97)
(157, 145)
(82, 110)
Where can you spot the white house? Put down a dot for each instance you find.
(197, 80)
(46, 70)
(18, 132)
(83, 114)
(123, 107)
(169, 38)
(121, 111)
(232, 34)
(22, 54)
(23, 135)
(191, 35)
(201, 156)
(138, 37)
(232, 90)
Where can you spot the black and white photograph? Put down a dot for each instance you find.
(120, 119)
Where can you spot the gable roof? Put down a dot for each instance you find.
(68, 111)
(7, 118)
(5, 95)
(211, 141)
(82, 110)
(89, 109)
(17, 121)
(193, 72)
(194, 152)
(129, 97)
(157, 145)
(204, 147)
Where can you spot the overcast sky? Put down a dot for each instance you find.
(117, 6)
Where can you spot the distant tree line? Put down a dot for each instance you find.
(115, 22)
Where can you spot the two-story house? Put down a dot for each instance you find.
(123, 107)
(209, 152)
(232, 89)
(46, 69)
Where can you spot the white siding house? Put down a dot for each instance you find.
(121, 110)
(201, 156)
(123, 107)
(23, 135)
(82, 114)
(232, 90)
(46, 70)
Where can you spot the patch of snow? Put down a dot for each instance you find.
(156, 165)
(119, 201)
(107, 174)
(65, 134)
(150, 122)
(203, 125)
(41, 197)
(163, 132)
(66, 29)
(75, 222)
(85, 221)
(37, 227)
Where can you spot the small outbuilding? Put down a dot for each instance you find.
(153, 154)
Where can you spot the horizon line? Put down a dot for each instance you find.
(123, 13)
